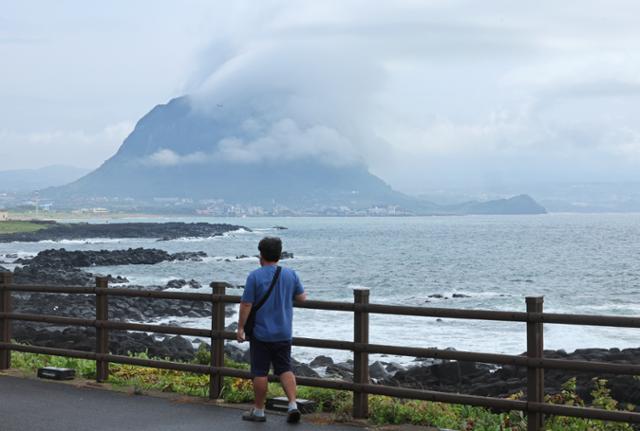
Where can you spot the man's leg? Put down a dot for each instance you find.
(282, 367)
(260, 385)
(259, 368)
(288, 381)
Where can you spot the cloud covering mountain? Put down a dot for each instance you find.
(178, 150)
(428, 94)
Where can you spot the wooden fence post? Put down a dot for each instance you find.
(5, 324)
(216, 380)
(102, 332)
(535, 375)
(360, 358)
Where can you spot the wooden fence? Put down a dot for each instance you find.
(535, 362)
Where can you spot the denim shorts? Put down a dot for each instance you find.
(264, 354)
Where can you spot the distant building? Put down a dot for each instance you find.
(4, 216)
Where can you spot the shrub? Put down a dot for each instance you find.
(382, 409)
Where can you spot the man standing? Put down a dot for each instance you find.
(275, 288)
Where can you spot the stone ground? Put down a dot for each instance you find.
(31, 404)
(39, 405)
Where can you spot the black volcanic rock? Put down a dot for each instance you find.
(36, 274)
(86, 258)
(180, 283)
(75, 231)
(487, 380)
(321, 361)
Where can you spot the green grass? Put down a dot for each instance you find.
(383, 410)
(19, 226)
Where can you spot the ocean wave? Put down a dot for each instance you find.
(240, 231)
(213, 259)
(193, 238)
(89, 241)
(613, 308)
(9, 258)
(358, 287)
(145, 280)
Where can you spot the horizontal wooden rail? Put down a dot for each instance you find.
(491, 358)
(420, 394)
(60, 320)
(453, 313)
(42, 288)
(587, 320)
(534, 361)
(159, 329)
(584, 412)
(399, 310)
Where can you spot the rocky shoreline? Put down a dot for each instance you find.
(64, 267)
(161, 231)
(87, 258)
(448, 376)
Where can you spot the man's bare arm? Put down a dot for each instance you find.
(245, 309)
(301, 298)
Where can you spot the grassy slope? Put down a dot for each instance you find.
(19, 226)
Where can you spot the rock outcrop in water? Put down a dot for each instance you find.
(86, 258)
(37, 274)
(447, 376)
(62, 267)
(80, 231)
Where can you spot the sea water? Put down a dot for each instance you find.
(580, 263)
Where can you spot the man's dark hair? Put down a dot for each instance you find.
(270, 248)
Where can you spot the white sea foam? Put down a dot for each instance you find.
(228, 259)
(424, 256)
(16, 255)
(151, 280)
(240, 231)
(193, 238)
(92, 241)
(358, 286)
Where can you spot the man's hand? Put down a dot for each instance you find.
(240, 335)
(245, 309)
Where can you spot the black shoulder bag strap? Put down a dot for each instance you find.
(266, 295)
(251, 319)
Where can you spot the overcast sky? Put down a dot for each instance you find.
(431, 94)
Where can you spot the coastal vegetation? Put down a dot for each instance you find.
(383, 410)
(81, 231)
(15, 226)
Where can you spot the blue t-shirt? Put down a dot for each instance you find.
(274, 318)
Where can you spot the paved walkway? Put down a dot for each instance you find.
(37, 405)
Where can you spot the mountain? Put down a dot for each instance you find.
(27, 180)
(171, 154)
(174, 160)
(521, 204)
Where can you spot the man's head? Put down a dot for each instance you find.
(270, 249)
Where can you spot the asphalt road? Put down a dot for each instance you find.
(36, 405)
